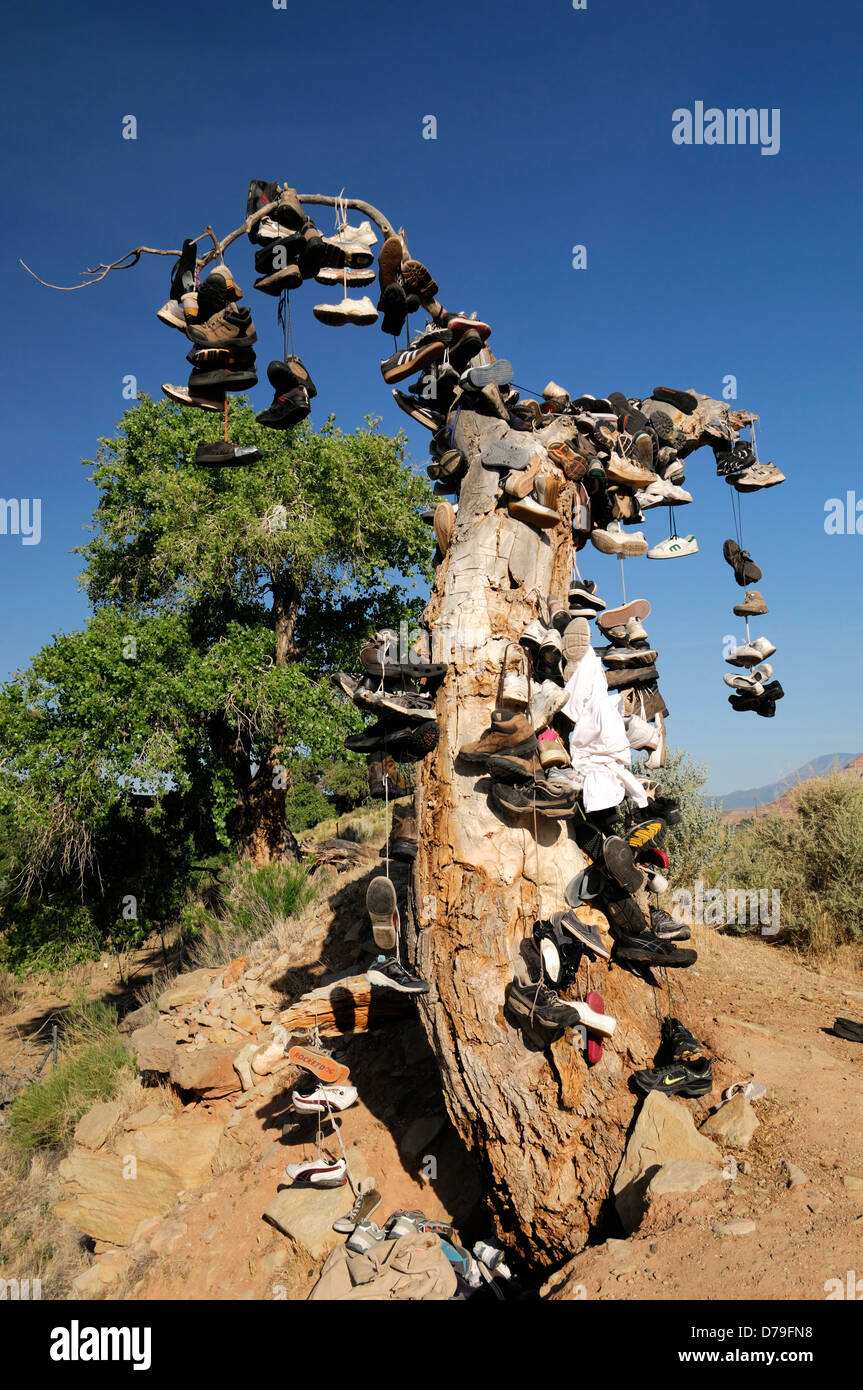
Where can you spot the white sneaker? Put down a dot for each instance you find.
(319, 1172)
(751, 654)
(745, 683)
(657, 757)
(545, 702)
(317, 1102)
(361, 312)
(764, 647)
(762, 673)
(673, 548)
(613, 540)
(662, 493)
(758, 475)
(594, 1022)
(640, 733)
(514, 689)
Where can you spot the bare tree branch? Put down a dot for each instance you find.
(132, 257)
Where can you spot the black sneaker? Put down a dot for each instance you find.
(224, 455)
(665, 927)
(678, 1044)
(183, 274)
(536, 1003)
(286, 410)
(220, 380)
(391, 974)
(640, 834)
(620, 862)
(665, 807)
(554, 805)
(410, 360)
(647, 949)
(732, 461)
(288, 373)
(279, 253)
(680, 1079)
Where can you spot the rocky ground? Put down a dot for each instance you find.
(178, 1187)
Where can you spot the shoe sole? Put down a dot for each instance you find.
(618, 860)
(616, 617)
(495, 374)
(324, 1068)
(608, 545)
(382, 907)
(533, 514)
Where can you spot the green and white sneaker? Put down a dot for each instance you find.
(673, 548)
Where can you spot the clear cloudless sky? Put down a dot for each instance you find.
(554, 129)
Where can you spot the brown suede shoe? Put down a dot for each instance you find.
(382, 766)
(572, 464)
(511, 732)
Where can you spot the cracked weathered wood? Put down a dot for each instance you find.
(549, 1132)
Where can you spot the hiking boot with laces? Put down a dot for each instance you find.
(231, 327)
(511, 733)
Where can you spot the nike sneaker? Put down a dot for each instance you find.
(680, 1079)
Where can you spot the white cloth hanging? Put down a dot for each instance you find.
(598, 746)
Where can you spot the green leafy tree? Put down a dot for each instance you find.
(221, 601)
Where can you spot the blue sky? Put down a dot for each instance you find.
(553, 130)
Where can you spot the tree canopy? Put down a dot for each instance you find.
(165, 730)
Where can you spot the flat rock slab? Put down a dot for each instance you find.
(100, 1199)
(184, 1148)
(735, 1123)
(190, 988)
(207, 1070)
(306, 1215)
(682, 1175)
(664, 1130)
(154, 1046)
(93, 1128)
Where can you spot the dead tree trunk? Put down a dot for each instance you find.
(549, 1131)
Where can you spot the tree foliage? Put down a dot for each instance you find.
(166, 729)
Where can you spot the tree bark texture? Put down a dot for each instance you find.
(548, 1129)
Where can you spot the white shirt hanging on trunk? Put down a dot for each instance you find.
(598, 746)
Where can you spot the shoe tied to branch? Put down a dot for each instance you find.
(224, 455)
(674, 548)
(288, 409)
(583, 932)
(613, 540)
(752, 605)
(664, 926)
(389, 973)
(360, 312)
(745, 569)
(231, 327)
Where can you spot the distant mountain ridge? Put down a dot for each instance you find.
(818, 767)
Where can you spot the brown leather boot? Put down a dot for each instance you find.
(511, 732)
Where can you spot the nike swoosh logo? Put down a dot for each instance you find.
(672, 1080)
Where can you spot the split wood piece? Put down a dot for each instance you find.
(351, 1005)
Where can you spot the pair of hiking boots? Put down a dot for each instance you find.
(404, 283)
(294, 390)
(223, 335)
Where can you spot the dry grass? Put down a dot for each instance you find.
(363, 827)
(8, 992)
(34, 1244)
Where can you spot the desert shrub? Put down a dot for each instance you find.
(814, 858)
(697, 846)
(254, 900)
(93, 1057)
